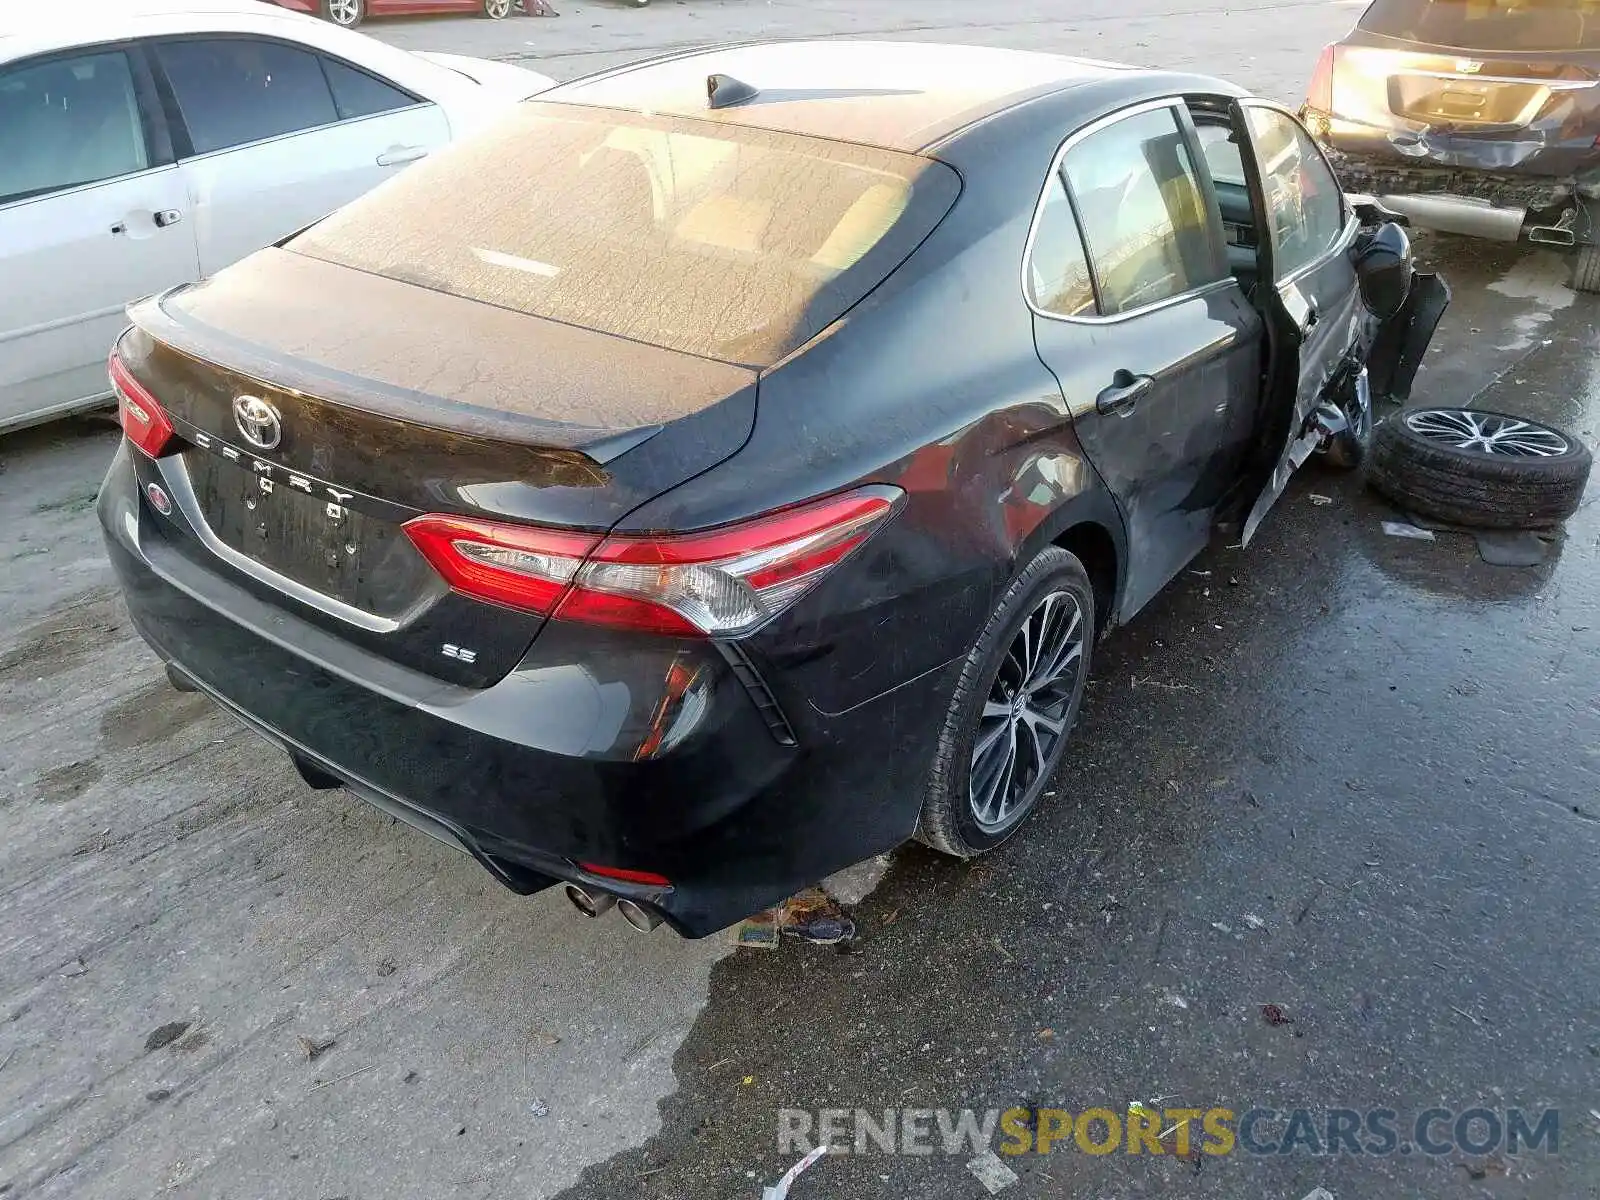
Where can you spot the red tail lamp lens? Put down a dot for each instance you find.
(142, 418)
(720, 583)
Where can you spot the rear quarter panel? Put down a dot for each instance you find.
(932, 384)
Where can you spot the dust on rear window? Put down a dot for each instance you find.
(725, 242)
(1489, 26)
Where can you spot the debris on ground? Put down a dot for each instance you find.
(811, 916)
(1513, 548)
(780, 1190)
(165, 1035)
(1401, 529)
(538, 1108)
(1320, 500)
(1254, 921)
(995, 1176)
(1275, 1015)
(314, 1050)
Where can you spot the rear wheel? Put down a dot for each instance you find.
(1013, 709)
(347, 13)
(497, 10)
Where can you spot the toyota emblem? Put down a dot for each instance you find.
(258, 421)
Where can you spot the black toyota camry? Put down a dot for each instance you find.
(721, 471)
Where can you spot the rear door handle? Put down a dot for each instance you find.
(1126, 390)
(395, 156)
(166, 217)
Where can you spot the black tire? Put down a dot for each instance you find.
(949, 823)
(1349, 450)
(1471, 487)
(1586, 270)
(358, 8)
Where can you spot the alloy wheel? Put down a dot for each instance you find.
(344, 12)
(1487, 433)
(1025, 714)
(496, 9)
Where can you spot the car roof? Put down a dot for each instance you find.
(898, 95)
(27, 28)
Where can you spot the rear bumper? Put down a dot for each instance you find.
(543, 770)
(1514, 172)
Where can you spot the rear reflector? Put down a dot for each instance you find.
(721, 583)
(623, 875)
(141, 417)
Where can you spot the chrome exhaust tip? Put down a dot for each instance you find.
(1552, 235)
(641, 918)
(590, 904)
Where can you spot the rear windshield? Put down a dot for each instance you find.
(1488, 26)
(725, 242)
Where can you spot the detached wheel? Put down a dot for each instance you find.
(1481, 469)
(347, 13)
(497, 10)
(1586, 270)
(1013, 709)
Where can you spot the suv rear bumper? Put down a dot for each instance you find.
(549, 767)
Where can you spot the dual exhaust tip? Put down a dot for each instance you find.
(593, 904)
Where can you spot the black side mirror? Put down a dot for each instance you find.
(1383, 269)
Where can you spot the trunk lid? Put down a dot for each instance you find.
(1467, 92)
(313, 431)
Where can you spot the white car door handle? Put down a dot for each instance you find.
(166, 217)
(394, 156)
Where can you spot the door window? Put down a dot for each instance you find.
(1144, 217)
(357, 94)
(1305, 210)
(1058, 275)
(67, 122)
(237, 90)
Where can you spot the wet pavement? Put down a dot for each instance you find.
(1351, 777)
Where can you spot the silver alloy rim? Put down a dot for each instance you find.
(497, 8)
(344, 12)
(1025, 713)
(1487, 433)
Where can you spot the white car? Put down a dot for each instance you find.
(148, 143)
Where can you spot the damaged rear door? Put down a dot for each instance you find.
(1306, 290)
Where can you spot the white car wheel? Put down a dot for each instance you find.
(496, 10)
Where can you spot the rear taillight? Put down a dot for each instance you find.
(1319, 93)
(142, 418)
(720, 583)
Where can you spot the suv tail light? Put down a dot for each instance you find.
(142, 419)
(720, 583)
(1319, 93)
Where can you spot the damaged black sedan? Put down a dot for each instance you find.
(721, 471)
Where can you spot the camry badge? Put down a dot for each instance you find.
(258, 421)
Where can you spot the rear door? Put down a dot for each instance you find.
(91, 216)
(1306, 290)
(1153, 344)
(278, 136)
